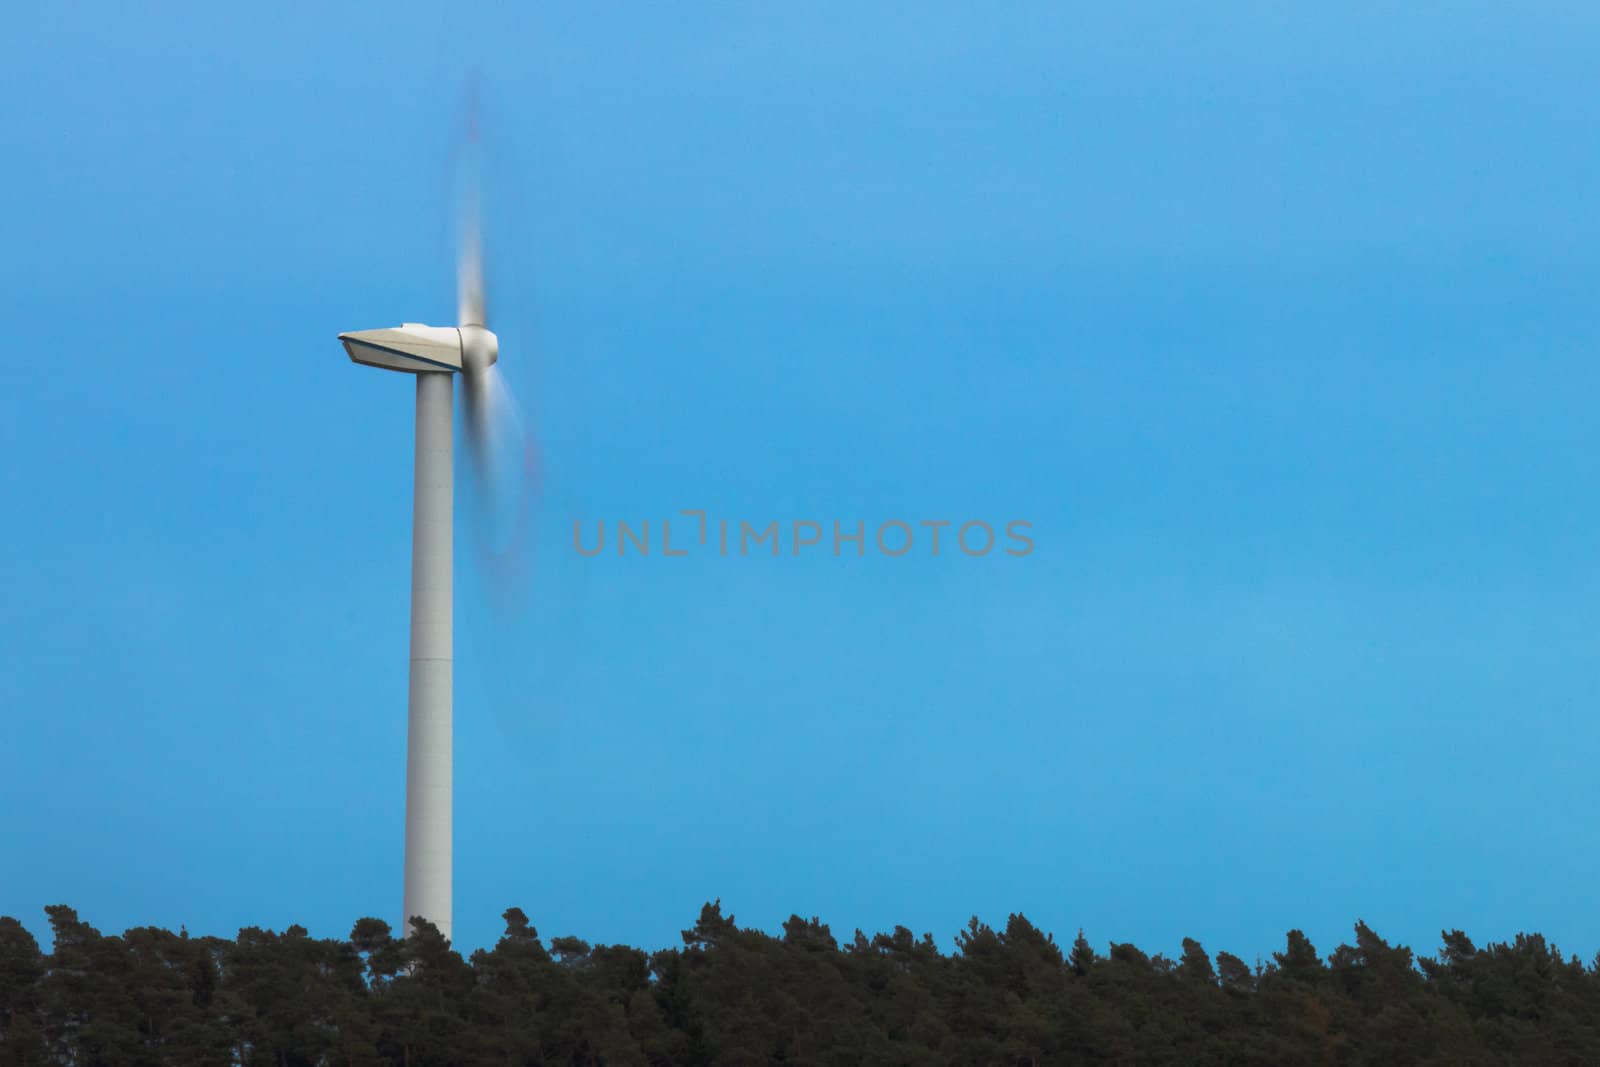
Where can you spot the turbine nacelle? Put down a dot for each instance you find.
(413, 348)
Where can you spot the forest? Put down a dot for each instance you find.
(728, 996)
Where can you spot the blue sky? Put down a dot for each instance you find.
(1278, 323)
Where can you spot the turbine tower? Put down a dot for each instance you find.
(435, 355)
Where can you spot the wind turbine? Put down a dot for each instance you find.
(435, 355)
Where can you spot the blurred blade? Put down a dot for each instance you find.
(503, 477)
(505, 480)
(495, 437)
(470, 295)
(471, 302)
(477, 422)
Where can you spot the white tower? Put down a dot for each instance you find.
(435, 355)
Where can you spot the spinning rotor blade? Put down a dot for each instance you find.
(471, 310)
(505, 479)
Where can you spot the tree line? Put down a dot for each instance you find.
(733, 996)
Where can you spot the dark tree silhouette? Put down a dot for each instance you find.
(731, 996)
